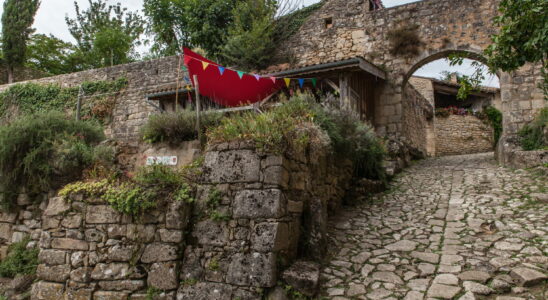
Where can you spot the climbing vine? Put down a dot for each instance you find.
(28, 98)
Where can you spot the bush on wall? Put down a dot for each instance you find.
(40, 151)
(534, 136)
(177, 127)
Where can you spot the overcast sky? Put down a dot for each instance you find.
(50, 19)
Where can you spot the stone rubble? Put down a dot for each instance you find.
(449, 228)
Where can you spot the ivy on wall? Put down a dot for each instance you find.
(29, 98)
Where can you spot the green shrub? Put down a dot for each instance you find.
(104, 155)
(495, 119)
(281, 129)
(533, 135)
(177, 127)
(130, 199)
(42, 150)
(20, 260)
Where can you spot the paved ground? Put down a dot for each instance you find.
(450, 228)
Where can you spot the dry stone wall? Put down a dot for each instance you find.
(463, 135)
(131, 110)
(268, 200)
(90, 251)
(254, 215)
(418, 121)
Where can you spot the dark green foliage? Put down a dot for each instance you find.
(177, 127)
(250, 44)
(20, 260)
(52, 55)
(534, 135)
(289, 24)
(41, 150)
(17, 20)
(105, 34)
(32, 97)
(166, 26)
(495, 119)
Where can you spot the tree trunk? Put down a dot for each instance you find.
(10, 74)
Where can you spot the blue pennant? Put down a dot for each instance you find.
(221, 70)
(301, 82)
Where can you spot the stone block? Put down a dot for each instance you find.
(158, 252)
(122, 285)
(56, 206)
(52, 257)
(69, 244)
(58, 273)
(209, 232)
(304, 277)
(72, 222)
(78, 294)
(253, 204)
(270, 237)
(112, 271)
(252, 269)
(47, 291)
(5, 231)
(106, 295)
(205, 291)
(527, 277)
(163, 276)
(276, 175)
(82, 275)
(8, 217)
(102, 214)
(141, 233)
(122, 253)
(177, 215)
(232, 166)
(170, 236)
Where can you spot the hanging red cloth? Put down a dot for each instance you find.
(228, 87)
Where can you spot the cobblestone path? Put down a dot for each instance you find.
(450, 228)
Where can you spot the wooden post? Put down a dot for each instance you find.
(198, 106)
(79, 103)
(177, 88)
(344, 91)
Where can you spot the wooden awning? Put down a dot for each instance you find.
(357, 63)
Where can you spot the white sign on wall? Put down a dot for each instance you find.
(162, 160)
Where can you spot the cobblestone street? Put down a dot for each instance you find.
(456, 227)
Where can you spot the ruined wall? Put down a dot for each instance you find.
(425, 87)
(268, 199)
(131, 110)
(462, 135)
(443, 27)
(88, 250)
(418, 121)
(269, 211)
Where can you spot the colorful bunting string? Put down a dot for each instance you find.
(241, 74)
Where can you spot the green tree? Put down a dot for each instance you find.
(523, 37)
(17, 20)
(193, 23)
(165, 24)
(52, 55)
(250, 42)
(106, 34)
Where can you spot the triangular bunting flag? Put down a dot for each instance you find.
(314, 82)
(205, 64)
(287, 81)
(257, 77)
(273, 79)
(240, 74)
(221, 70)
(301, 82)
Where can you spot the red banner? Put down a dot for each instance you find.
(229, 87)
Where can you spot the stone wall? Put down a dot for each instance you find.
(131, 110)
(277, 208)
(88, 250)
(254, 215)
(418, 121)
(463, 135)
(443, 27)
